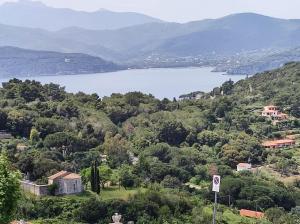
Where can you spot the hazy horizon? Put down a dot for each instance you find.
(189, 10)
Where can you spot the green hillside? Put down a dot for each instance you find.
(160, 154)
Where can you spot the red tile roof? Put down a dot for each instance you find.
(72, 176)
(245, 165)
(59, 175)
(251, 214)
(278, 142)
(64, 175)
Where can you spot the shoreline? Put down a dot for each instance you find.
(123, 70)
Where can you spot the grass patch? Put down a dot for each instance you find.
(116, 193)
(107, 194)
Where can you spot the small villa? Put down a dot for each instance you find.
(66, 182)
(273, 113)
(251, 214)
(243, 167)
(276, 144)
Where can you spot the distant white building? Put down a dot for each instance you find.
(273, 112)
(67, 183)
(243, 167)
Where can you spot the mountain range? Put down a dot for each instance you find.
(151, 42)
(22, 62)
(227, 35)
(33, 14)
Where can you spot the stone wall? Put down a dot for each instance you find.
(35, 189)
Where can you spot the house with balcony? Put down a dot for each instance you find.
(273, 113)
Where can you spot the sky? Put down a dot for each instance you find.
(185, 10)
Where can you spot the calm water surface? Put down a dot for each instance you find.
(161, 83)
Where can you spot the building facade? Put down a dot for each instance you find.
(243, 167)
(276, 144)
(273, 113)
(67, 183)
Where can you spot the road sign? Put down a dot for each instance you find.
(216, 183)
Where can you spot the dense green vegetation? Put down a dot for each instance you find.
(164, 148)
(9, 190)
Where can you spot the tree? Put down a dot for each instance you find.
(86, 176)
(116, 148)
(171, 182)
(3, 120)
(171, 132)
(227, 87)
(95, 178)
(209, 138)
(127, 179)
(9, 190)
(284, 165)
(274, 214)
(105, 174)
(295, 110)
(91, 211)
(34, 135)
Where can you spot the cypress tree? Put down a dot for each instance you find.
(92, 180)
(97, 178)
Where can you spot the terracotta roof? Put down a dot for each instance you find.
(58, 175)
(251, 214)
(246, 165)
(278, 142)
(72, 176)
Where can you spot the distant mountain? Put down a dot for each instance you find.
(227, 35)
(154, 43)
(38, 39)
(21, 62)
(34, 14)
(235, 33)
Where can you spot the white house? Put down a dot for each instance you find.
(243, 166)
(273, 112)
(67, 183)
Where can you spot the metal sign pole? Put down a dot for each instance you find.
(216, 189)
(215, 209)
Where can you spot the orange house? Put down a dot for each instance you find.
(273, 112)
(276, 144)
(251, 214)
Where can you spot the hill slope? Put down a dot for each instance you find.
(37, 15)
(21, 62)
(280, 87)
